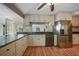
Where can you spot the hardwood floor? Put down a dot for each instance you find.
(52, 51)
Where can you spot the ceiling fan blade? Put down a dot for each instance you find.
(52, 7)
(41, 6)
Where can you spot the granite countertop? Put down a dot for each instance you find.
(66, 34)
(34, 33)
(19, 36)
(23, 34)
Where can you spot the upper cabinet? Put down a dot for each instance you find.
(75, 21)
(49, 19)
(63, 16)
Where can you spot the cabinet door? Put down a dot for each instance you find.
(29, 40)
(42, 40)
(65, 41)
(69, 41)
(38, 40)
(61, 41)
(75, 38)
(75, 21)
(78, 38)
(24, 45)
(8, 50)
(21, 46)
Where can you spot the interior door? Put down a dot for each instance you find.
(11, 30)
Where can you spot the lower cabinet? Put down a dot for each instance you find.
(65, 41)
(38, 40)
(16, 48)
(21, 46)
(30, 40)
(8, 50)
(75, 38)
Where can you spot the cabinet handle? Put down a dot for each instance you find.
(7, 49)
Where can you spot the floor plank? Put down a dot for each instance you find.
(52, 51)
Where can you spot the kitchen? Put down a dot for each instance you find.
(37, 28)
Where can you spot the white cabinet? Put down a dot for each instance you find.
(21, 45)
(38, 40)
(8, 50)
(64, 16)
(75, 38)
(30, 40)
(16, 48)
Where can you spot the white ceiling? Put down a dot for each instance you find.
(31, 8)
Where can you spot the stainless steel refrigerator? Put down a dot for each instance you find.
(63, 31)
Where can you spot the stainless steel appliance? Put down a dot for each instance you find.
(63, 30)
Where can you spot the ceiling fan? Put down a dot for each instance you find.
(42, 5)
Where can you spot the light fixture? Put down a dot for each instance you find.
(50, 3)
(51, 6)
